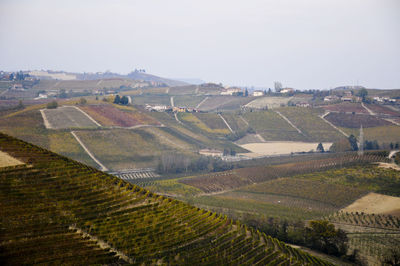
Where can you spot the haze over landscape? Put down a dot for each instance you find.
(200, 132)
(306, 44)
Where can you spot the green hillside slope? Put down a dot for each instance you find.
(57, 211)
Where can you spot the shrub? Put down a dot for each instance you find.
(52, 105)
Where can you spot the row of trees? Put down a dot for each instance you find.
(351, 144)
(121, 100)
(181, 163)
(318, 234)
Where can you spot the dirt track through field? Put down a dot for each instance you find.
(103, 168)
(200, 103)
(88, 116)
(374, 114)
(290, 123)
(45, 121)
(226, 123)
(332, 125)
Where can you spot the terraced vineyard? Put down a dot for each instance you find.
(313, 127)
(346, 108)
(205, 123)
(109, 115)
(235, 122)
(271, 126)
(66, 117)
(58, 211)
(334, 195)
(356, 120)
(366, 220)
(232, 179)
(373, 235)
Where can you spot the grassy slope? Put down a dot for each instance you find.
(28, 125)
(272, 127)
(190, 101)
(122, 149)
(234, 121)
(310, 124)
(384, 134)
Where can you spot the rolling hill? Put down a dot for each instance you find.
(58, 211)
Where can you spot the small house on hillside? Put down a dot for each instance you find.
(331, 98)
(213, 153)
(231, 91)
(258, 93)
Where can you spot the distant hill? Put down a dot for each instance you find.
(135, 75)
(57, 211)
(194, 81)
(149, 77)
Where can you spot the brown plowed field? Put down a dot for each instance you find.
(355, 120)
(346, 108)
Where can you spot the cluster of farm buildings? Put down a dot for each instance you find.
(165, 108)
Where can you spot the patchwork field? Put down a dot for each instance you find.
(109, 115)
(67, 117)
(313, 127)
(346, 108)
(268, 102)
(355, 120)
(282, 147)
(271, 126)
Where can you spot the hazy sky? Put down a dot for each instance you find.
(302, 43)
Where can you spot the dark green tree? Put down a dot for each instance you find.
(117, 99)
(124, 100)
(246, 93)
(52, 105)
(353, 142)
(320, 147)
(363, 94)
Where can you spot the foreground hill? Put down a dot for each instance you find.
(56, 210)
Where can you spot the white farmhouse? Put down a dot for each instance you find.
(258, 93)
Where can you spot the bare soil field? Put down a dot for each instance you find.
(67, 117)
(109, 115)
(346, 108)
(282, 147)
(7, 160)
(375, 203)
(268, 102)
(355, 120)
